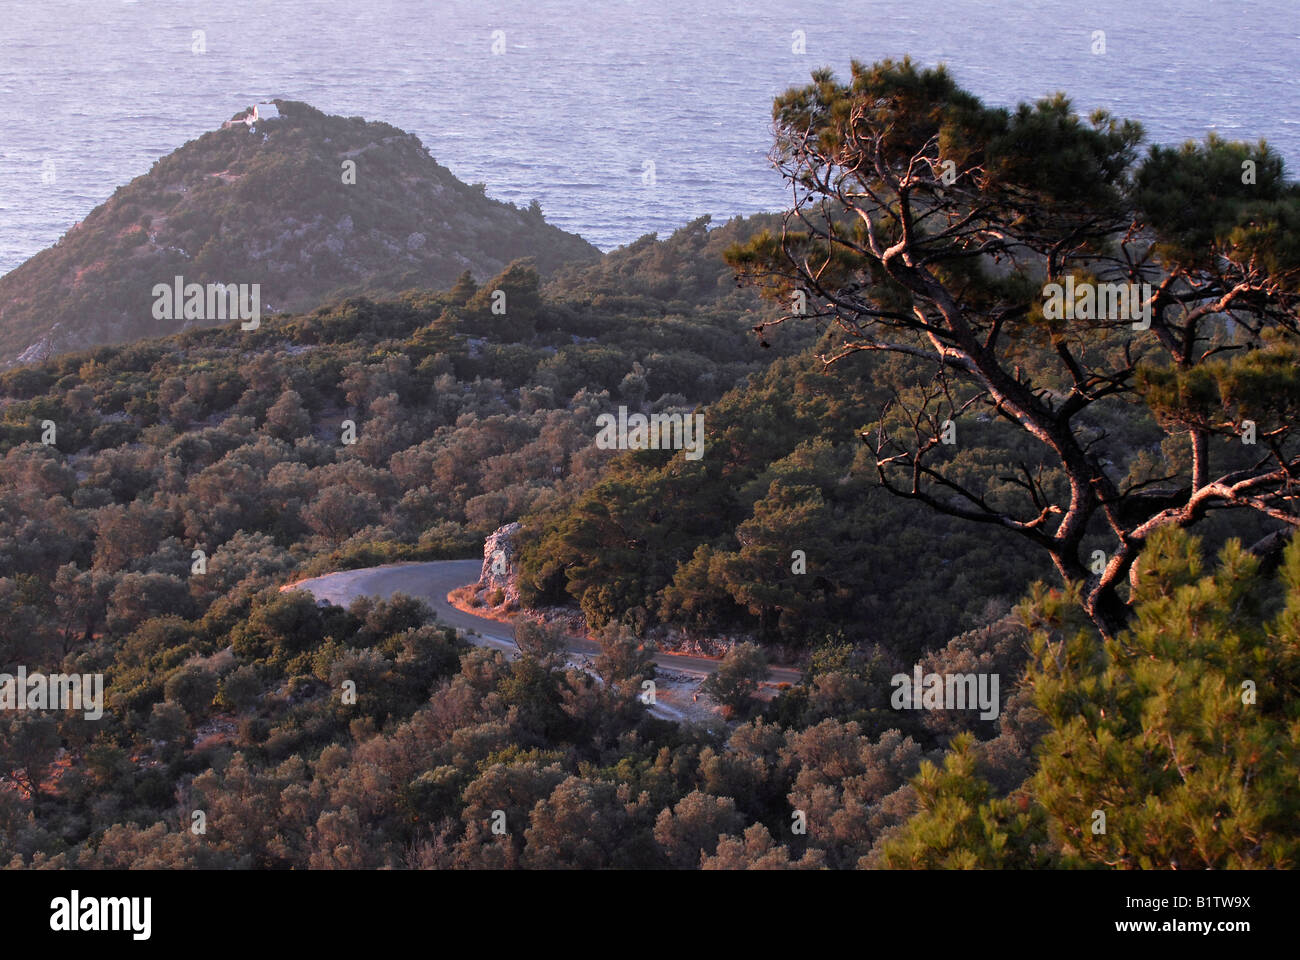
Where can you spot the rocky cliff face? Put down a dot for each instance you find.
(500, 570)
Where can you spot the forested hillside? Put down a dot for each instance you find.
(913, 466)
(308, 206)
(708, 547)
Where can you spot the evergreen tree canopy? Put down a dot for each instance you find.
(1038, 269)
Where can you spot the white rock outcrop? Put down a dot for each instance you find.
(499, 566)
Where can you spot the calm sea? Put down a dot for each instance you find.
(587, 93)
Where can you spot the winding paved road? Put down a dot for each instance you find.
(431, 582)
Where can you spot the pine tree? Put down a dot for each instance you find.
(959, 826)
(927, 225)
(1173, 746)
(1185, 731)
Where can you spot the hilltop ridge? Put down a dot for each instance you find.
(275, 203)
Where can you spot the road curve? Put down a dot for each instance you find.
(432, 581)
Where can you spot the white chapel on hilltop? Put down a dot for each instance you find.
(260, 113)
